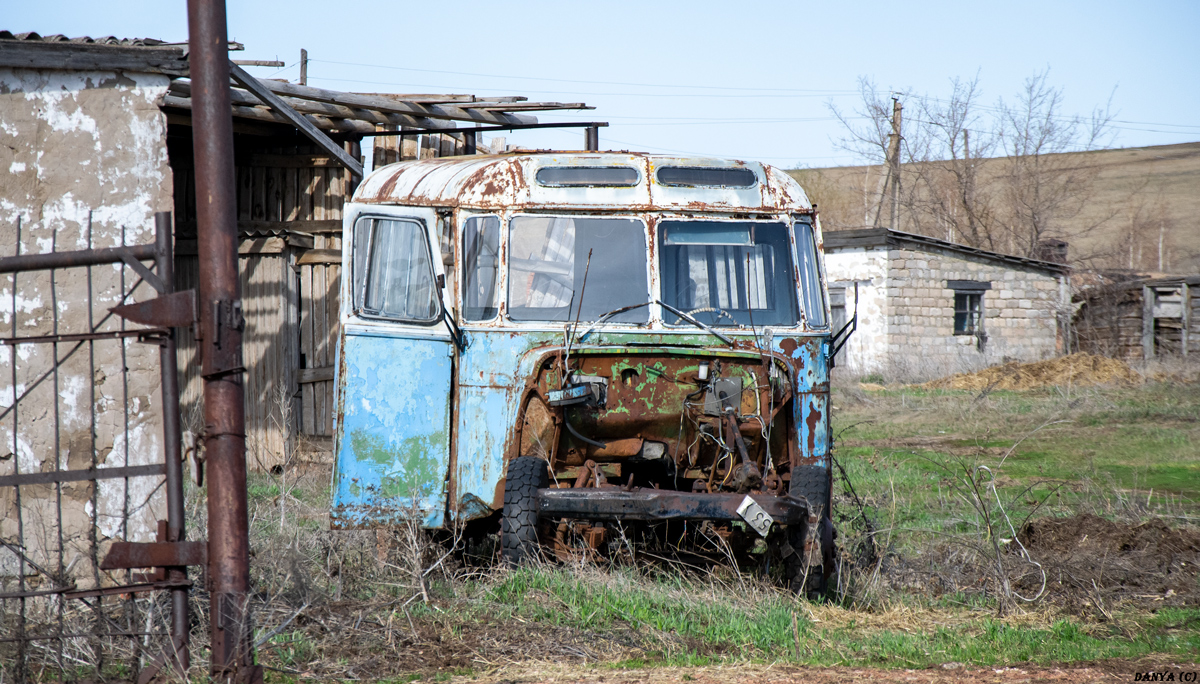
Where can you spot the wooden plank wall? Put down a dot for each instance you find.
(290, 202)
(319, 281)
(1110, 324)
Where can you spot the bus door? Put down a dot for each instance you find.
(394, 375)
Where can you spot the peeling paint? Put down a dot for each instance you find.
(90, 170)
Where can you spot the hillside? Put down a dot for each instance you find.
(1140, 194)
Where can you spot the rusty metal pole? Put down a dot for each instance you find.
(220, 345)
(165, 259)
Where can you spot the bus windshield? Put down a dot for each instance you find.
(728, 273)
(548, 257)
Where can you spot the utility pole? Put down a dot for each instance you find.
(303, 66)
(894, 154)
(891, 183)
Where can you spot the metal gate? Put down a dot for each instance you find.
(82, 472)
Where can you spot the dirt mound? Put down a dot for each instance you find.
(1093, 561)
(1074, 369)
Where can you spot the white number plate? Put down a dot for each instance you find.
(755, 516)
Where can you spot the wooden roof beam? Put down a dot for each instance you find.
(306, 126)
(183, 88)
(270, 116)
(532, 106)
(425, 98)
(385, 104)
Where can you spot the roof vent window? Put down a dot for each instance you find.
(701, 176)
(595, 176)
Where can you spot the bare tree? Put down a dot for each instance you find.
(867, 140)
(871, 140)
(1147, 241)
(1041, 187)
(990, 177)
(954, 195)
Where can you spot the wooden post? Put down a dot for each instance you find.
(1065, 315)
(1186, 315)
(1148, 296)
(897, 111)
(303, 66)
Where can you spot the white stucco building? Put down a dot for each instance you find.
(927, 307)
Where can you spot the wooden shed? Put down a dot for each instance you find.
(1140, 318)
(290, 196)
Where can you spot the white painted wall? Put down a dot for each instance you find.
(866, 350)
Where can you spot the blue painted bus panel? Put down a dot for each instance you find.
(394, 428)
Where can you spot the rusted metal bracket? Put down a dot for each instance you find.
(176, 310)
(125, 555)
(315, 134)
(81, 475)
(145, 273)
(222, 353)
(83, 257)
(127, 589)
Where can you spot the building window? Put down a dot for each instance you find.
(968, 308)
(968, 313)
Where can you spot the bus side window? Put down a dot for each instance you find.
(810, 277)
(481, 266)
(445, 240)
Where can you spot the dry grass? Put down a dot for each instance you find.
(1078, 370)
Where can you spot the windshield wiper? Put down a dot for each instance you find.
(603, 318)
(693, 321)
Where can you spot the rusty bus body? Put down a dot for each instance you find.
(572, 340)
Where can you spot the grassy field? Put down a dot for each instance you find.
(954, 506)
(363, 605)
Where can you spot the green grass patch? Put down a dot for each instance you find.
(702, 624)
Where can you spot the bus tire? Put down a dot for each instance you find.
(812, 482)
(518, 527)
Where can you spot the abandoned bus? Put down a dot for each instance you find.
(565, 343)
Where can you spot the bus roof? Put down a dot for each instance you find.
(661, 183)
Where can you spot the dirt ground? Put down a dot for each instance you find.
(1104, 671)
(1088, 558)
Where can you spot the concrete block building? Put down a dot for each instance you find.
(928, 307)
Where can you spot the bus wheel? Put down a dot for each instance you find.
(518, 527)
(803, 578)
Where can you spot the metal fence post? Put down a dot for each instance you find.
(180, 655)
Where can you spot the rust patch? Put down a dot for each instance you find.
(498, 495)
(789, 346)
(389, 186)
(812, 420)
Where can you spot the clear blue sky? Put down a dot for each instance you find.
(750, 80)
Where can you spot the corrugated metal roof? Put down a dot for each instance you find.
(84, 40)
